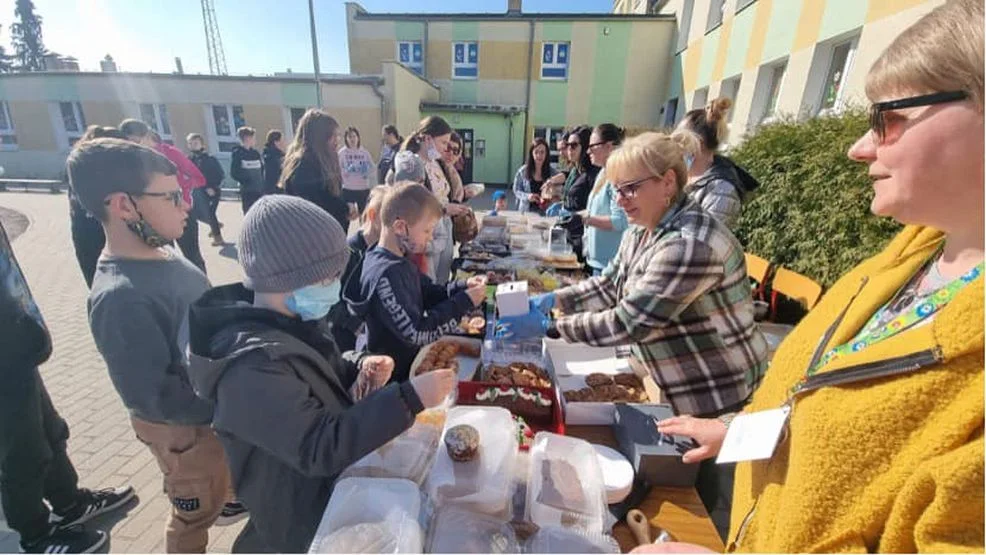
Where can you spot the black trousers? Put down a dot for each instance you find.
(247, 198)
(88, 240)
(189, 244)
(34, 465)
(359, 197)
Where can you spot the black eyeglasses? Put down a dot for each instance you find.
(629, 190)
(175, 197)
(878, 121)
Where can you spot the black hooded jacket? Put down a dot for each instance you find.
(283, 411)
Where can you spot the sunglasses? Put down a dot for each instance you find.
(573, 145)
(454, 150)
(593, 146)
(878, 122)
(629, 190)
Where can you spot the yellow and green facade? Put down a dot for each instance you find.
(532, 74)
(775, 57)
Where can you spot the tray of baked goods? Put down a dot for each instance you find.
(482, 252)
(593, 380)
(473, 324)
(524, 388)
(462, 354)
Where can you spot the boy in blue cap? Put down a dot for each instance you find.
(499, 202)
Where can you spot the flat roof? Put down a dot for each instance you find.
(330, 78)
(361, 13)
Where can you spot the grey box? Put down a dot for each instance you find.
(656, 457)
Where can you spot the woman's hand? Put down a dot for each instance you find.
(708, 432)
(534, 197)
(556, 179)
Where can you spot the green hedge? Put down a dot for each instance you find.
(811, 213)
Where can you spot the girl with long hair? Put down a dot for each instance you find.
(531, 177)
(311, 166)
(357, 166)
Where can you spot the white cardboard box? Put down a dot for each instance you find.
(512, 299)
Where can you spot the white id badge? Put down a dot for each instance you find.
(753, 437)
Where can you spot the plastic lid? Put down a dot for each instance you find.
(617, 473)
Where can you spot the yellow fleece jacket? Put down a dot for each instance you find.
(889, 465)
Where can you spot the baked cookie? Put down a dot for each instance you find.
(597, 379)
(462, 442)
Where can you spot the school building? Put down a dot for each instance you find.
(506, 78)
(499, 79)
(771, 57)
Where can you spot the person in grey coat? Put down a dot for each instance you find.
(293, 412)
(713, 180)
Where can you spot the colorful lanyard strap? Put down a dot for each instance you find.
(925, 309)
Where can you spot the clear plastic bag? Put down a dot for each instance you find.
(552, 539)
(457, 530)
(565, 485)
(480, 483)
(408, 456)
(371, 515)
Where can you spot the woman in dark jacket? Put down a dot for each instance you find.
(273, 158)
(311, 166)
(579, 184)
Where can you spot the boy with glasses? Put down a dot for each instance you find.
(137, 313)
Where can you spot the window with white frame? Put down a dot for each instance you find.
(768, 90)
(411, 54)
(465, 60)
(554, 61)
(156, 116)
(73, 121)
(729, 89)
(700, 98)
(685, 19)
(225, 120)
(716, 7)
(8, 135)
(833, 88)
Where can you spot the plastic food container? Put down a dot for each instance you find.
(467, 364)
(565, 485)
(408, 456)
(371, 515)
(456, 530)
(552, 539)
(478, 484)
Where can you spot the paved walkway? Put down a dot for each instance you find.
(102, 445)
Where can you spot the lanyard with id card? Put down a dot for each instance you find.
(755, 436)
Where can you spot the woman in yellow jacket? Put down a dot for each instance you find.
(883, 447)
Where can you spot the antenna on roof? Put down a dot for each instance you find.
(213, 42)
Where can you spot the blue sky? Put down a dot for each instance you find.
(259, 36)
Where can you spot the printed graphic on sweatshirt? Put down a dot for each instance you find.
(251, 164)
(402, 320)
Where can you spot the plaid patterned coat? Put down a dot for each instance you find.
(680, 297)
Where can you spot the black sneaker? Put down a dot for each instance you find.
(234, 511)
(92, 504)
(67, 540)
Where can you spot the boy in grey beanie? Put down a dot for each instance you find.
(292, 411)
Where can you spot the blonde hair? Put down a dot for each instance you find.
(655, 152)
(942, 52)
(709, 123)
(410, 202)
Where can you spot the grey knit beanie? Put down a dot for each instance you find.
(408, 166)
(287, 243)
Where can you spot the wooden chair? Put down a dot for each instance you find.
(796, 286)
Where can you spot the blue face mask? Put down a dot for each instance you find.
(315, 301)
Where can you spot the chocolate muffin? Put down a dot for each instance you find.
(462, 443)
